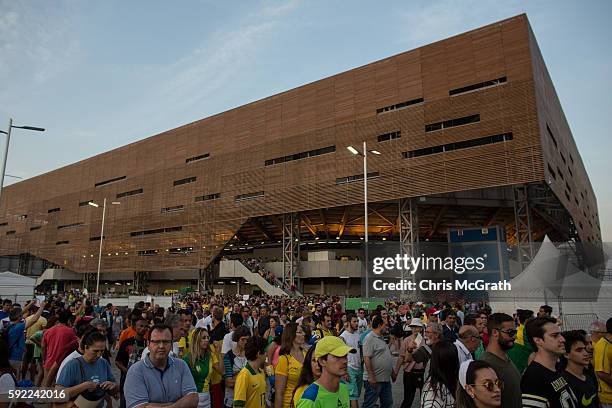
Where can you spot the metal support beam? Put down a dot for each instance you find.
(409, 230)
(343, 222)
(309, 225)
(291, 248)
(436, 222)
(324, 221)
(141, 281)
(522, 217)
(89, 281)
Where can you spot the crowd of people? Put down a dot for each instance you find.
(280, 352)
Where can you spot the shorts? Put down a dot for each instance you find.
(356, 383)
(29, 353)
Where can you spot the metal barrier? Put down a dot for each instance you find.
(580, 321)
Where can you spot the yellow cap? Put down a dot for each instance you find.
(334, 346)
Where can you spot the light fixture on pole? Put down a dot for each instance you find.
(364, 153)
(101, 238)
(6, 147)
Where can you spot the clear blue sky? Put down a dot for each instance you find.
(99, 75)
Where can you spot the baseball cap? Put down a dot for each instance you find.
(332, 345)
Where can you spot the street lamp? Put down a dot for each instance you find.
(364, 153)
(101, 238)
(6, 148)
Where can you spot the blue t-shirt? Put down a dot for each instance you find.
(97, 372)
(16, 340)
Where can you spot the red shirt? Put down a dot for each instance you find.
(60, 340)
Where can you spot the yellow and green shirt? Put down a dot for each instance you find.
(250, 388)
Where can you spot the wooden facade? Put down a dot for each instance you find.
(191, 188)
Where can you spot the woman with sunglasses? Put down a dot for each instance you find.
(479, 386)
(199, 360)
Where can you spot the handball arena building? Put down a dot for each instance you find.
(471, 139)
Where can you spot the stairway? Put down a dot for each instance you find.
(236, 269)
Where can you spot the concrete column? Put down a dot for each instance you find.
(322, 287)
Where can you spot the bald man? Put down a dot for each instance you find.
(468, 341)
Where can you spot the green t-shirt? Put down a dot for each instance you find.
(200, 371)
(315, 396)
(38, 337)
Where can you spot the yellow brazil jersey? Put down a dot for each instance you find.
(215, 377)
(298, 394)
(602, 361)
(250, 388)
(289, 367)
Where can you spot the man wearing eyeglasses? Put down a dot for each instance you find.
(158, 379)
(502, 333)
(542, 385)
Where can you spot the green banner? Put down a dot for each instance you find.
(356, 303)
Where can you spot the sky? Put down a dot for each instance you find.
(100, 75)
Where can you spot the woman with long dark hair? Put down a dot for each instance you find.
(311, 371)
(479, 386)
(439, 389)
(290, 362)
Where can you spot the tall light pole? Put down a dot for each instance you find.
(6, 147)
(101, 238)
(364, 153)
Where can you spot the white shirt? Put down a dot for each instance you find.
(352, 340)
(71, 356)
(204, 322)
(228, 343)
(462, 352)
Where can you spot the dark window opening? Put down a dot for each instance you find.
(175, 208)
(197, 158)
(4, 224)
(130, 193)
(560, 173)
(75, 225)
(52, 210)
(178, 251)
(390, 136)
(568, 187)
(249, 196)
(10, 232)
(571, 158)
(156, 231)
(22, 217)
(301, 155)
(356, 177)
(480, 85)
(552, 172)
(37, 227)
(62, 242)
(466, 120)
(84, 203)
(93, 239)
(552, 137)
(208, 197)
(504, 137)
(567, 196)
(147, 252)
(105, 182)
(184, 181)
(400, 105)
(563, 158)
(570, 172)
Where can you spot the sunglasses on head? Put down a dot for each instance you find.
(490, 385)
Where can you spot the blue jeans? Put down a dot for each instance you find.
(382, 391)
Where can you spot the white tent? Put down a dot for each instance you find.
(16, 287)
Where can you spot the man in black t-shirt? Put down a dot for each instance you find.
(576, 360)
(542, 386)
(130, 351)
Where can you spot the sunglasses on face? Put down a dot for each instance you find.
(509, 332)
(490, 385)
